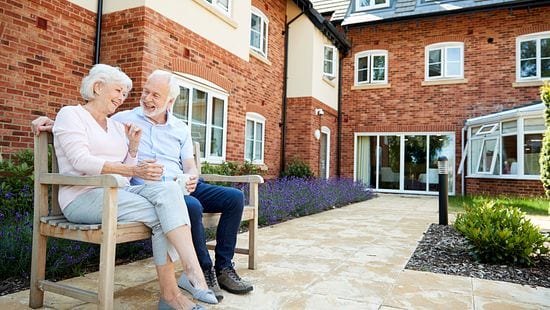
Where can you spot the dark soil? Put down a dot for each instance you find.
(445, 250)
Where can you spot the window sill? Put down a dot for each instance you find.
(504, 177)
(330, 82)
(528, 83)
(260, 57)
(371, 86)
(444, 82)
(218, 13)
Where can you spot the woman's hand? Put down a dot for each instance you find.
(42, 123)
(133, 133)
(148, 169)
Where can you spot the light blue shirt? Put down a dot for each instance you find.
(168, 143)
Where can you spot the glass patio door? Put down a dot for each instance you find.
(415, 162)
(389, 162)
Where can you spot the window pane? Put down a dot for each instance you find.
(379, 1)
(487, 155)
(415, 162)
(198, 134)
(378, 61)
(434, 56)
(248, 150)
(545, 47)
(329, 53)
(534, 124)
(476, 153)
(528, 68)
(362, 76)
(181, 106)
(217, 112)
(434, 70)
(545, 68)
(509, 127)
(362, 63)
(378, 74)
(389, 162)
(258, 151)
(255, 22)
(509, 155)
(365, 2)
(216, 142)
(264, 39)
(453, 69)
(259, 131)
(327, 67)
(531, 154)
(453, 54)
(224, 4)
(199, 106)
(528, 49)
(249, 129)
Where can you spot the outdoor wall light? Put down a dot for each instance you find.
(319, 112)
(317, 134)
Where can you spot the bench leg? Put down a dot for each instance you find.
(107, 254)
(252, 230)
(38, 267)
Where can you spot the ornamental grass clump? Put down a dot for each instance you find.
(501, 235)
(544, 159)
(291, 197)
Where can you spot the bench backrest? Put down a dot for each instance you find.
(45, 160)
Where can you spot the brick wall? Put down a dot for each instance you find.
(45, 49)
(407, 105)
(496, 187)
(301, 125)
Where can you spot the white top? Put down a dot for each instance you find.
(82, 147)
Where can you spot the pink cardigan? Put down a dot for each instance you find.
(82, 147)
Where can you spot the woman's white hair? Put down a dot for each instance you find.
(172, 83)
(103, 74)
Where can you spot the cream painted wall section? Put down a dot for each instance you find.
(324, 90)
(305, 64)
(229, 32)
(300, 47)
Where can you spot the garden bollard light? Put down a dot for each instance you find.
(442, 166)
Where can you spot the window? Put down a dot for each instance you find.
(361, 5)
(445, 61)
(329, 61)
(371, 67)
(507, 148)
(222, 5)
(258, 32)
(254, 138)
(533, 57)
(204, 110)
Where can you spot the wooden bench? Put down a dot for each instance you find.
(49, 222)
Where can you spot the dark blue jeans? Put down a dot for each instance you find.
(213, 199)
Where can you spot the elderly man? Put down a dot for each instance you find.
(168, 140)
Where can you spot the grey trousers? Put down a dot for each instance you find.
(157, 205)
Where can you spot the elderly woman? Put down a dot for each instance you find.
(88, 142)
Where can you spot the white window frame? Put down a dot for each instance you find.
(326, 130)
(264, 32)
(333, 61)
(370, 54)
(490, 135)
(256, 119)
(444, 47)
(216, 4)
(530, 37)
(371, 6)
(192, 82)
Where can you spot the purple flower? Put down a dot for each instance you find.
(8, 195)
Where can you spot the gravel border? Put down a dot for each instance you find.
(445, 250)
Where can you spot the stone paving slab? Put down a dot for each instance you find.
(347, 258)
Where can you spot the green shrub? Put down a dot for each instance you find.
(16, 183)
(297, 168)
(500, 235)
(230, 168)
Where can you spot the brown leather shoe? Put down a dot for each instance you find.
(230, 281)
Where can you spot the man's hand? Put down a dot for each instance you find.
(191, 184)
(42, 123)
(148, 169)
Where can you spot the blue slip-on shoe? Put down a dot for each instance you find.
(204, 295)
(163, 305)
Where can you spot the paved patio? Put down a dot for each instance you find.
(346, 258)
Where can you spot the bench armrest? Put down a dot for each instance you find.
(105, 180)
(232, 179)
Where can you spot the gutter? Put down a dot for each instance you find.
(285, 82)
(339, 124)
(485, 8)
(97, 42)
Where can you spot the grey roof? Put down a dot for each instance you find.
(338, 8)
(402, 9)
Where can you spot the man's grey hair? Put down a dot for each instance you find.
(104, 74)
(172, 82)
